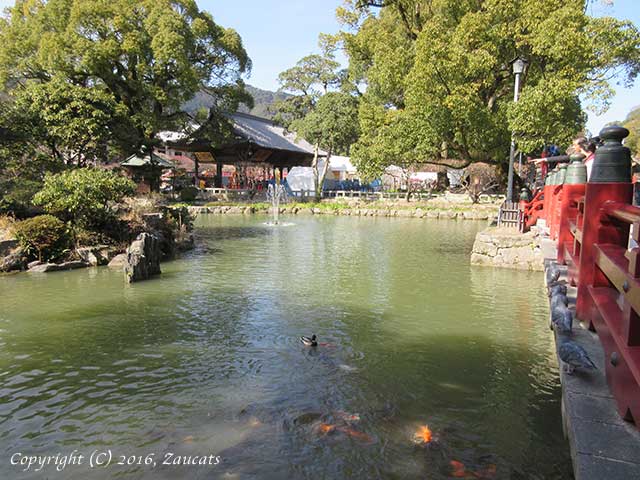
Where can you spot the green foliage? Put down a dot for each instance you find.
(332, 124)
(84, 196)
(43, 237)
(16, 196)
(439, 81)
(632, 123)
(116, 71)
(74, 121)
(306, 82)
(188, 194)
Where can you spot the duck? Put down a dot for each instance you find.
(309, 341)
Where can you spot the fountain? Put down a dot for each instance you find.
(276, 194)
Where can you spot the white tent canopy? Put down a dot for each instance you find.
(301, 179)
(339, 163)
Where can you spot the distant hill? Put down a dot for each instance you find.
(262, 100)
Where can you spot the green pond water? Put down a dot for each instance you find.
(206, 359)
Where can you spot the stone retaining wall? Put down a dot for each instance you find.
(471, 214)
(507, 248)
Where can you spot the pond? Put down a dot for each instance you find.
(206, 360)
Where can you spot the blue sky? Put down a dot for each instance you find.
(277, 33)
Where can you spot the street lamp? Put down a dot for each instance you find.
(519, 66)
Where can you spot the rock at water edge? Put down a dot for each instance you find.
(143, 258)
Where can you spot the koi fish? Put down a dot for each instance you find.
(423, 435)
(363, 437)
(325, 428)
(460, 471)
(347, 417)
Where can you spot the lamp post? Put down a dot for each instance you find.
(519, 65)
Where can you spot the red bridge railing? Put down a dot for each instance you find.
(591, 223)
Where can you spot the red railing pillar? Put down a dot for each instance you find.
(572, 195)
(610, 181)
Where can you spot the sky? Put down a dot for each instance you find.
(277, 33)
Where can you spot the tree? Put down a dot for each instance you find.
(118, 70)
(84, 196)
(311, 77)
(331, 125)
(316, 111)
(632, 123)
(439, 82)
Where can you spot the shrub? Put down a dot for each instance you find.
(43, 237)
(188, 194)
(85, 196)
(16, 196)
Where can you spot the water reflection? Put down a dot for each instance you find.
(207, 358)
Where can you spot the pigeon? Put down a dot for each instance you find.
(553, 274)
(563, 321)
(557, 313)
(574, 356)
(557, 288)
(559, 300)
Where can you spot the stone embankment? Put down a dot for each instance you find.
(479, 213)
(507, 248)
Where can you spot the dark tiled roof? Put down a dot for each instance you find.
(267, 134)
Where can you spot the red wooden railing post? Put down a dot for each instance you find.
(610, 181)
(573, 192)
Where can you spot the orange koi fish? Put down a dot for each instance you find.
(325, 428)
(423, 435)
(363, 437)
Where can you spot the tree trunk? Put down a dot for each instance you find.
(323, 174)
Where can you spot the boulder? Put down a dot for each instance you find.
(185, 244)
(6, 246)
(14, 261)
(98, 255)
(72, 265)
(143, 258)
(118, 261)
(34, 263)
(44, 268)
(152, 221)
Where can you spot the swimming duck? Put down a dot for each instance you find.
(309, 342)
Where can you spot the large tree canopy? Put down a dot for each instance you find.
(438, 75)
(632, 122)
(92, 72)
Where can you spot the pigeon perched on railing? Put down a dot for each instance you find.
(559, 299)
(553, 274)
(563, 321)
(557, 288)
(558, 312)
(574, 356)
